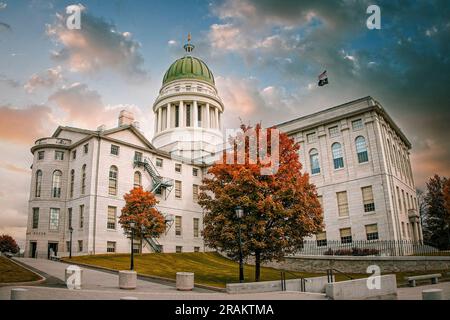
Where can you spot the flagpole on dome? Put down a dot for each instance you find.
(189, 47)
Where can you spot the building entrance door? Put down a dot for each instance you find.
(33, 247)
(52, 247)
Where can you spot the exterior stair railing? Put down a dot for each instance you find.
(154, 244)
(157, 180)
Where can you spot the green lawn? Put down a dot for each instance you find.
(209, 268)
(11, 272)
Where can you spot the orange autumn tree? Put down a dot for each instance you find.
(140, 208)
(281, 209)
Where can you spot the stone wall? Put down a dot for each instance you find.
(359, 264)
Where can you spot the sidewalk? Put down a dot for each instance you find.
(99, 285)
(415, 293)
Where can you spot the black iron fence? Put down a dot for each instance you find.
(368, 248)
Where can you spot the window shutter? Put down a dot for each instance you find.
(367, 195)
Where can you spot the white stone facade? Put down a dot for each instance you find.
(385, 169)
(93, 234)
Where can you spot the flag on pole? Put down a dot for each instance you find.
(323, 79)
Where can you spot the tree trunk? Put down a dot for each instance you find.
(257, 265)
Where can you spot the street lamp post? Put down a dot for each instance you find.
(70, 249)
(132, 225)
(239, 214)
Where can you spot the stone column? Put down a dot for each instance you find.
(216, 115)
(208, 125)
(195, 113)
(181, 108)
(168, 116)
(159, 120)
(416, 231)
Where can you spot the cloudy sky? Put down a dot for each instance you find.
(265, 55)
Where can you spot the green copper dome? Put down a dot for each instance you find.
(189, 67)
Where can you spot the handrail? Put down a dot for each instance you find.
(283, 281)
(330, 274)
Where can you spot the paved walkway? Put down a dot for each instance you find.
(415, 293)
(103, 285)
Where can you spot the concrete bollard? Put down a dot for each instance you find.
(19, 294)
(432, 294)
(185, 281)
(129, 298)
(73, 277)
(127, 279)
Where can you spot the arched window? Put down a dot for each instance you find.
(38, 183)
(338, 159)
(56, 184)
(83, 179)
(137, 179)
(314, 160)
(113, 180)
(72, 181)
(361, 149)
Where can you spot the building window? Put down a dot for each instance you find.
(196, 227)
(137, 179)
(80, 245)
(320, 199)
(196, 249)
(72, 182)
(177, 116)
(111, 223)
(112, 188)
(81, 216)
(314, 160)
(321, 239)
(54, 219)
(110, 247)
(74, 154)
(56, 184)
(86, 148)
(159, 162)
(137, 156)
(177, 189)
(59, 155)
(369, 204)
(403, 230)
(357, 124)
(41, 155)
(178, 249)
(178, 167)
(114, 150)
(69, 218)
(83, 179)
(361, 149)
(188, 114)
(372, 232)
(37, 191)
(35, 218)
(178, 225)
(311, 137)
(342, 203)
(334, 131)
(195, 172)
(346, 235)
(338, 159)
(195, 192)
(199, 115)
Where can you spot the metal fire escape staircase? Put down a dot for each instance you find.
(158, 182)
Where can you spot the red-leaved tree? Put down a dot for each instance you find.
(281, 208)
(8, 244)
(140, 208)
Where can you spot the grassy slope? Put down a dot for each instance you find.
(209, 268)
(11, 272)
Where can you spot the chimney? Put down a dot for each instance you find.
(125, 118)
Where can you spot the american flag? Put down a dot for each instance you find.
(323, 79)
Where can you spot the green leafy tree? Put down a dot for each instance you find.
(281, 209)
(436, 220)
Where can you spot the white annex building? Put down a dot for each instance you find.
(356, 156)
